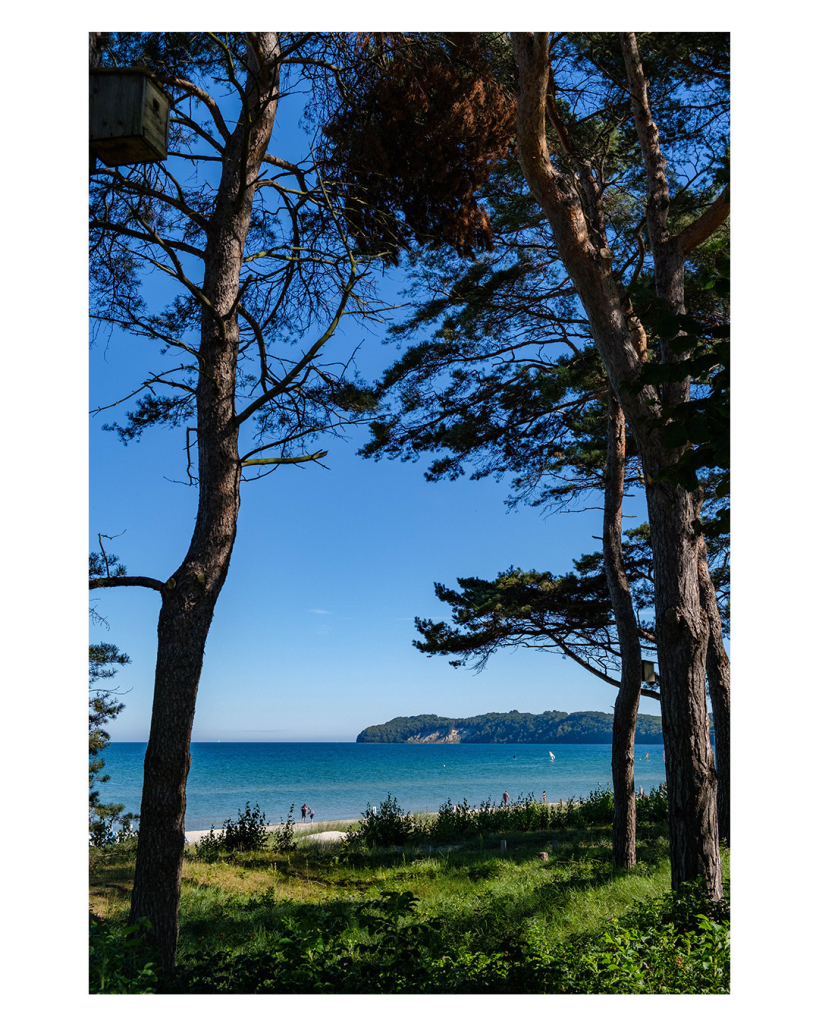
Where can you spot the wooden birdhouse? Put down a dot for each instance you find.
(128, 117)
(648, 672)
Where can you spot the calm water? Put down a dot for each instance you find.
(338, 780)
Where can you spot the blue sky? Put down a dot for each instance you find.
(312, 638)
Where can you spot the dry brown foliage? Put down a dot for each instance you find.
(415, 139)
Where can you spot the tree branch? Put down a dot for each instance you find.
(120, 229)
(194, 90)
(266, 396)
(590, 668)
(285, 461)
(127, 581)
(706, 224)
(649, 136)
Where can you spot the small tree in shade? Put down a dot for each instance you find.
(103, 707)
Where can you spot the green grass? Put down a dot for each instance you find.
(321, 917)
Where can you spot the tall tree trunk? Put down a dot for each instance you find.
(669, 280)
(718, 671)
(682, 641)
(627, 703)
(621, 342)
(189, 598)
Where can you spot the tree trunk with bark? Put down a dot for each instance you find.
(189, 597)
(718, 671)
(682, 641)
(669, 274)
(627, 704)
(621, 342)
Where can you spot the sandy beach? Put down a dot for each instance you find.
(324, 830)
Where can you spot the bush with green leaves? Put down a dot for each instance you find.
(677, 943)
(655, 960)
(119, 961)
(108, 828)
(389, 825)
(247, 833)
(451, 822)
(653, 806)
(282, 839)
(598, 807)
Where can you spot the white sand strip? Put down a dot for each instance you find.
(325, 837)
(298, 826)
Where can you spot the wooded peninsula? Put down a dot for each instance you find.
(509, 727)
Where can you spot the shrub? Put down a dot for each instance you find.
(389, 826)
(676, 943)
(118, 962)
(566, 814)
(598, 807)
(456, 821)
(106, 828)
(283, 840)
(524, 814)
(653, 807)
(247, 833)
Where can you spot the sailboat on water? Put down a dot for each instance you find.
(551, 755)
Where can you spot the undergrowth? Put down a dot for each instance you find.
(448, 912)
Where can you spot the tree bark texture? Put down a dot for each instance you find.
(682, 642)
(621, 342)
(189, 598)
(718, 671)
(628, 697)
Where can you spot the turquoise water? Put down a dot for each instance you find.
(338, 780)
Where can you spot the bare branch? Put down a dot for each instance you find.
(126, 581)
(120, 229)
(282, 386)
(286, 461)
(189, 89)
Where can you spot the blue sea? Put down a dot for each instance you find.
(338, 780)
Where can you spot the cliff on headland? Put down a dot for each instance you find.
(509, 727)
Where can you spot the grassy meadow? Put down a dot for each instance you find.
(424, 903)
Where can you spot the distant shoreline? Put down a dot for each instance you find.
(510, 727)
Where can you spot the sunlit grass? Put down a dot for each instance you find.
(480, 897)
(471, 885)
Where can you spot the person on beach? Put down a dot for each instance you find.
(544, 797)
(505, 798)
(310, 812)
(304, 812)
